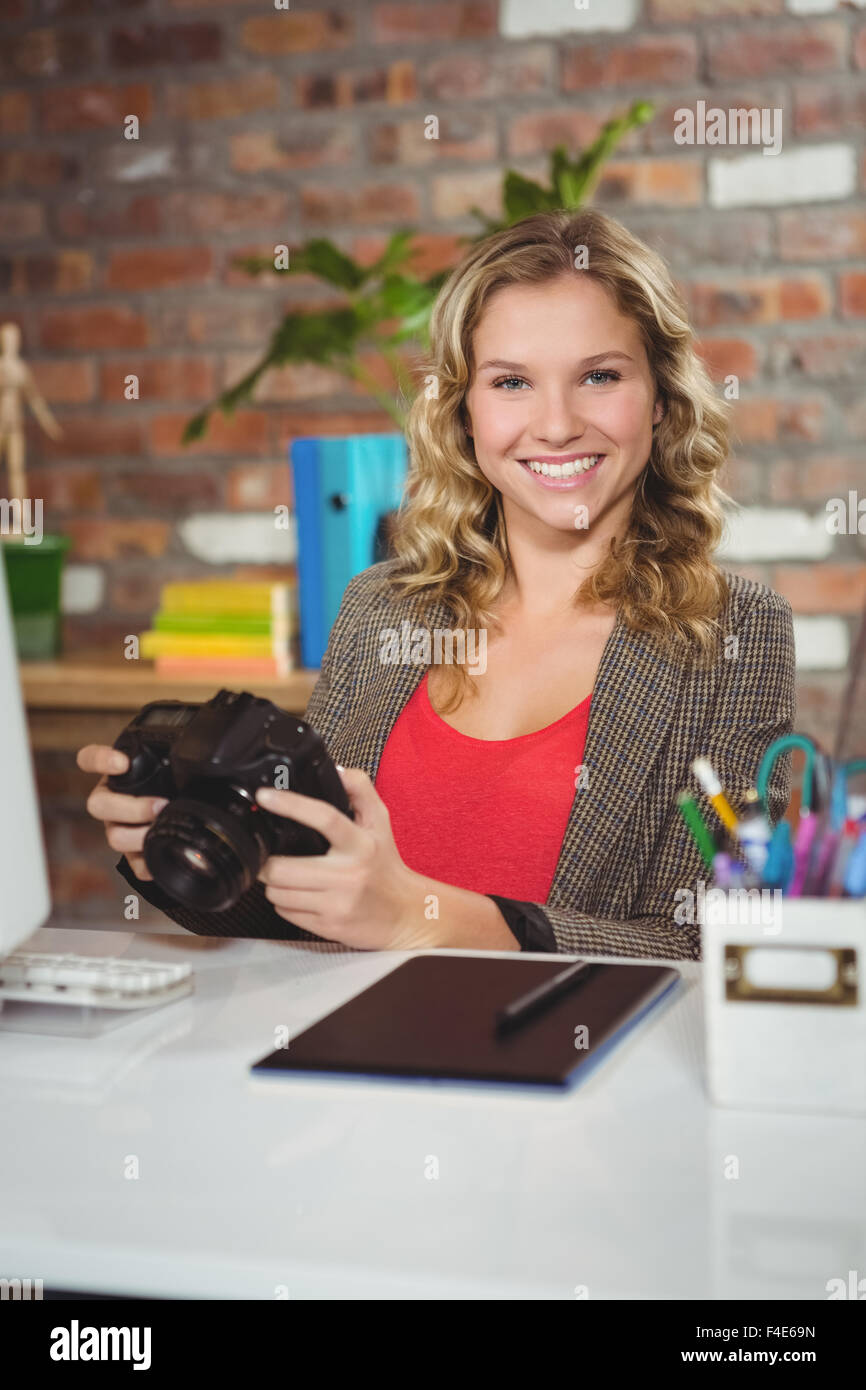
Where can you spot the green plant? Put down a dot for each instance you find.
(386, 303)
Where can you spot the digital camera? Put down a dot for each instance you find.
(207, 846)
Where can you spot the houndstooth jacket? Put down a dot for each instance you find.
(626, 850)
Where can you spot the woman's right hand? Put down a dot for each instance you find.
(126, 818)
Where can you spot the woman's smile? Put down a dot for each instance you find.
(566, 475)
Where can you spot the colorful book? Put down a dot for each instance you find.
(229, 668)
(228, 597)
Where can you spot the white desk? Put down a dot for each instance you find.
(319, 1186)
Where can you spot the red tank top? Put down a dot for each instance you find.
(484, 814)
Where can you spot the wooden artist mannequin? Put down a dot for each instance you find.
(17, 385)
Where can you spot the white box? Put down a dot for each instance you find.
(785, 1002)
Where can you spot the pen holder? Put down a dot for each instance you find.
(785, 1001)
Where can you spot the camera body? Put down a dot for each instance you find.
(207, 846)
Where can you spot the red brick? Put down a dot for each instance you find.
(824, 588)
(812, 479)
(159, 267)
(138, 45)
(134, 592)
(824, 109)
(217, 322)
(763, 420)
(160, 379)
(94, 106)
(729, 357)
(370, 203)
(302, 32)
(668, 11)
(75, 489)
(801, 419)
(228, 212)
(47, 52)
(20, 219)
(453, 195)
(66, 272)
(296, 382)
(497, 75)
(94, 326)
(404, 142)
(101, 435)
(112, 539)
(652, 59)
(781, 48)
(37, 168)
(758, 300)
(860, 47)
(143, 216)
(15, 113)
(255, 152)
(72, 382)
(259, 486)
(852, 294)
(240, 96)
(670, 182)
(536, 132)
(395, 83)
(714, 238)
(825, 355)
(822, 234)
(159, 490)
(476, 19)
(295, 424)
(245, 432)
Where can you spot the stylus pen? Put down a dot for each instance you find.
(527, 1005)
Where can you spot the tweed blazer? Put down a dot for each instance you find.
(626, 850)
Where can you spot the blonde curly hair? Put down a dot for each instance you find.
(449, 539)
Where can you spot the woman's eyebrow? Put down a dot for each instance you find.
(521, 366)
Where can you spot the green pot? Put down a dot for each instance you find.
(33, 575)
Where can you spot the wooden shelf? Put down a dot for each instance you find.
(88, 697)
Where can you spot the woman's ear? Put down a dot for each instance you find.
(658, 412)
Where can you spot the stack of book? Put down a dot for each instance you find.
(224, 627)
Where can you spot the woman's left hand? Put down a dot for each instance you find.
(360, 892)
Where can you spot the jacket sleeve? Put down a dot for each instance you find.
(756, 704)
(253, 915)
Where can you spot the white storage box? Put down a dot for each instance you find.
(785, 1002)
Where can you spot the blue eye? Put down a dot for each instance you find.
(610, 376)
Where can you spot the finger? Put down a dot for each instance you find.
(139, 868)
(291, 900)
(305, 871)
(107, 805)
(99, 757)
(337, 829)
(126, 838)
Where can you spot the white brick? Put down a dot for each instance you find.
(775, 533)
(821, 644)
(811, 174)
(220, 538)
(820, 6)
(518, 19)
(82, 588)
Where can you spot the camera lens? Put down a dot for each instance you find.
(206, 855)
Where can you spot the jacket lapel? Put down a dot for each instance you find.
(637, 690)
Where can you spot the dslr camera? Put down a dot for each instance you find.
(207, 846)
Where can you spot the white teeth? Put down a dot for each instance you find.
(564, 470)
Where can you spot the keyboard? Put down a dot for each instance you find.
(102, 982)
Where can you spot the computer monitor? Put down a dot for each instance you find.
(25, 894)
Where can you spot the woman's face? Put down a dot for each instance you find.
(561, 374)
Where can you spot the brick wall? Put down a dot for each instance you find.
(260, 126)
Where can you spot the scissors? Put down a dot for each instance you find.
(818, 771)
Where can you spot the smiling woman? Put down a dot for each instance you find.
(562, 500)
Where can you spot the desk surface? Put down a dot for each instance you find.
(321, 1188)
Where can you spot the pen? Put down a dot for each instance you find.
(710, 784)
(855, 871)
(754, 832)
(527, 1005)
(780, 858)
(723, 870)
(803, 841)
(694, 820)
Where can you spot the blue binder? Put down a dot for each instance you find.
(342, 487)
